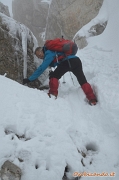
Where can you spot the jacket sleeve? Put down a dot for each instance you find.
(49, 57)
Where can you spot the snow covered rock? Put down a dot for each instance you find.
(17, 45)
(95, 30)
(10, 171)
(4, 9)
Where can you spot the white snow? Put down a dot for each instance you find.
(49, 134)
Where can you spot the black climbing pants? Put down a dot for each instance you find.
(74, 65)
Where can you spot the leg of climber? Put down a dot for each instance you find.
(76, 68)
(53, 84)
(55, 76)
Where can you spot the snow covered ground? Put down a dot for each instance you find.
(43, 135)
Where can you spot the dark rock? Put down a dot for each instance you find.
(10, 171)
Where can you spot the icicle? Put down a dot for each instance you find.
(24, 46)
(25, 35)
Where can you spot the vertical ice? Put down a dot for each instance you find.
(25, 34)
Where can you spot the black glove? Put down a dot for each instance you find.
(26, 80)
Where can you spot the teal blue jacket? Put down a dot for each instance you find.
(48, 60)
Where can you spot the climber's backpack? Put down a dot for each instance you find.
(68, 47)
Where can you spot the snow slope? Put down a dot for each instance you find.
(43, 135)
(41, 125)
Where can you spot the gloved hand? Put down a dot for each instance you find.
(26, 80)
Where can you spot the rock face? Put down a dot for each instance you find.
(55, 19)
(17, 44)
(4, 9)
(67, 17)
